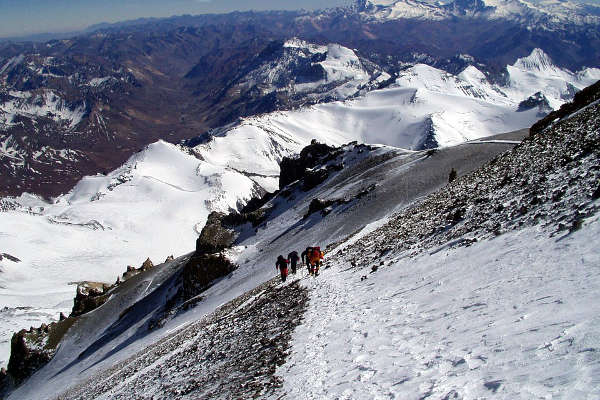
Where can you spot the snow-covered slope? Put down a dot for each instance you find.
(154, 206)
(391, 178)
(482, 288)
(104, 223)
(307, 73)
(45, 104)
(510, 318)
(428, 107)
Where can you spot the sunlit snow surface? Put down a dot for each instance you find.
(156, 204)
(514, 317)
(426, 102)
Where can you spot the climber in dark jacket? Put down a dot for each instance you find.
(281, 264)
(304, 256)
(293, 260)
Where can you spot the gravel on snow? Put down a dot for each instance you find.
(230, 354)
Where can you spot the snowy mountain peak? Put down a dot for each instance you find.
(537, 61)
(309, 72)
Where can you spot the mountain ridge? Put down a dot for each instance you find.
(520, 200)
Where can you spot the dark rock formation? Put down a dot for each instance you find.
(201, 271)
(257, 202)
(147, 264)
(313, 178)
(214, 236)
(6, 383)
(536, 100)
(9, 257)
(324, 206)
(28, 354)
(90, 295)
(30, 350)
(294, 168)
(132, 271)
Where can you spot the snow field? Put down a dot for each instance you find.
(514, 317)
(154, 206)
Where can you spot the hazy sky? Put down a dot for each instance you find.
(24, 17)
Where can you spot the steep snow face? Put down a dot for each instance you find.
(537, 71)
(153, 206)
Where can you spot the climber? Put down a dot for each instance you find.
(293, 260)
(304, 256)
(317, 258)
(281, 264)
(314, 255)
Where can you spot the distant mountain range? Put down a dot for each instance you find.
(547, 14)
(84, 105)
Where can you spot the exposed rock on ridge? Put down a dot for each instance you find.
(30, 350)
(294, 168)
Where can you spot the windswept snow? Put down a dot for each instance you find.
(514, 317)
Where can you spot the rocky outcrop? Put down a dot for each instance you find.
(89, 296)
(30, 350)
(214, 236)
(28, 353)
(536, 100)
(201, 271)
(295, 168)
(198, 274)
(324, 206)
(132, 271)
(583, 98)
(204, 267)
(257, 202)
